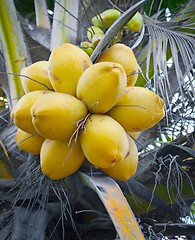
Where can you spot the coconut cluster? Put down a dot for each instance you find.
(102, 22)
(75, 110)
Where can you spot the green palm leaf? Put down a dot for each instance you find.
(13, 46)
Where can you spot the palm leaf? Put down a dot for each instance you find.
(42, 19)
(4, 171)
(167, 41)
(29, 226)
(13, 46)
(177, 40)
(5, 168)
(147, 195)
(64, 27)
(116, 205)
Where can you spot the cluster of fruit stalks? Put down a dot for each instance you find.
(102, 22)
(76, 109)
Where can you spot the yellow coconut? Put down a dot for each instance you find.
(55, 116)
(136, 23)
(120, 53)
(29, 142)
(135, 135)
(104, 141)
(3, 100)
(96, 39)
(87, 47)
(117, 38)
(96, 20)
(2, 104)
(59, 159)
(138, 109)
(91, 31)
(108, 17)
(101, 86)
(21, 112)
(127, 167)
(66, 65)
(38, 72)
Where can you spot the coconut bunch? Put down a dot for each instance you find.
(102, 22)
(75, 110)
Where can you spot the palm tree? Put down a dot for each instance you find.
(156, 201)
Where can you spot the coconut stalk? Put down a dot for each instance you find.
(42, 19)
(115, 204)
(13, 47)
(64, 28)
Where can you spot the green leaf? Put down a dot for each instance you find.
(25, 8)
(193, 207)
(168, 139)
(13, 46)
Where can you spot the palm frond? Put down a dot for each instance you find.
(13, 47)
(64, 27)
(42, 18)
(116, 205)
(149, 196)
(167, 41)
